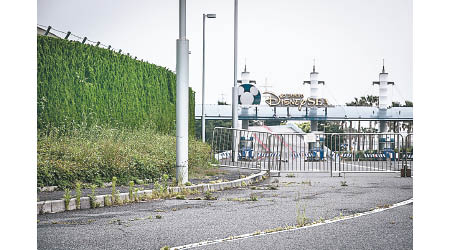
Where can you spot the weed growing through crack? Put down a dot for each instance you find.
(208, 196)
(253, 197)
(114, 194)
(131, 190)
(92, 197)
(137, 197)
(157, 190)
(158, 216)
(67, 197)
(188, 184)
(165, 179)
(290, 175)
(107, 200)
(78, 194)
(384, 206)
(308, 182)
(180, 197)
(344, 183)
(236, 199)
(301, 215)
(257, 233)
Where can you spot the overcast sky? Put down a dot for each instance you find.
(278, 39)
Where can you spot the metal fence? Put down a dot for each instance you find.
(320, 152)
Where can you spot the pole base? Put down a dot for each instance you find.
(407, 174)
(182, 174)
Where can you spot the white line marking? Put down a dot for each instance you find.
(333, 220)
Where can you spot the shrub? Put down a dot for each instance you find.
(97, 155)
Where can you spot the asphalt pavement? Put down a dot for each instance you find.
(278, 202)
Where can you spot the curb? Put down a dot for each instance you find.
(57, 206)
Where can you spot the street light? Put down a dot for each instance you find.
(203, 76)
(182, 104)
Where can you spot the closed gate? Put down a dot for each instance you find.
(318, 152)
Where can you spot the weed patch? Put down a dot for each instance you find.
(300, 214)
(67, 197)
(253, 197)
(77, 194)
(180, 197)
(93, 198)
(308, 182)
(208, 196)
(95, 155)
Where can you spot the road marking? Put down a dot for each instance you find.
(293, 228)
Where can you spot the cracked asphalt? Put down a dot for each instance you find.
(159, 223)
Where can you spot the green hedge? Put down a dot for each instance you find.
(81, 85)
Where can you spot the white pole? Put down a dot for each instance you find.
(182, 103)
(235, 86)
(203, 83)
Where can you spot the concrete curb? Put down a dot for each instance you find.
(57, 206)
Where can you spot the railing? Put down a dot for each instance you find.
(321, 152)
(369, 152)
(84, 40)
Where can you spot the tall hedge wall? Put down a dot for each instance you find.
(81, 84)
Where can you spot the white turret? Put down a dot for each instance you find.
(245, 76)
(315, 92)
(314, 84)
(383, 91)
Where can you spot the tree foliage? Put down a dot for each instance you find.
(368, 100)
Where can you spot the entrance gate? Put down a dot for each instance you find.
(320, 152)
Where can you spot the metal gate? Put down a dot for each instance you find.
(319, 152)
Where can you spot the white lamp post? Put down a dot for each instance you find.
(182, 103)
(234, 100)
(203, 76)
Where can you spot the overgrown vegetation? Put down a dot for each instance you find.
(83, 85)
(103, 114)
(99, 153)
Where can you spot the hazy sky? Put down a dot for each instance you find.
(278, 39)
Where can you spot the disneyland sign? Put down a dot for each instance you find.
(295, 100)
